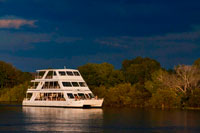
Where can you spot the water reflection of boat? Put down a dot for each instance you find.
(60, 88)
(62, 119)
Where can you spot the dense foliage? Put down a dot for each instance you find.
(141, 82)
(139, 69)
(12, 82)
(101, 75)
(10, 76)
(16, 94)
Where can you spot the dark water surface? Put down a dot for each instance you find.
(17, 118)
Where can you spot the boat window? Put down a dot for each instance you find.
(56, 85)
(50, 97)
(60, 95)
(69, 73)
(49, 75)
(87, 96)
(91, 95)
(75, 84)
(46, 85)
(70, 95)
(82, 84)
(76, 73)
(54, 73)
(62, 73)
(81, 95)
(40, 74)
(33, 85)
(67, 84)
(76, 97)
(51, 85)
(29, 95)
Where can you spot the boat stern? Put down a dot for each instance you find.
(94, 103)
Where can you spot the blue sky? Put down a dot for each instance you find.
(37, 34)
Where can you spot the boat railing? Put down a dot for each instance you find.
(38, 77)
(27, 99)
(50, 99)
(81, 98)
(51, 87)
(49, 77)
(32, 87)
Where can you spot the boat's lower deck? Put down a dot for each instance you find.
(69, 103)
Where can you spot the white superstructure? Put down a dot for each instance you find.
(60, 88)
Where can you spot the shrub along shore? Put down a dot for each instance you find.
(141, 82)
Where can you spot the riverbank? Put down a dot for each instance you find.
(17, 103)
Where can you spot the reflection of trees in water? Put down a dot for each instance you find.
(63, 119)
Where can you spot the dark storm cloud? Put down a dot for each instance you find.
(172, 46)
(28, 40)
(169, 40)
(39, 33)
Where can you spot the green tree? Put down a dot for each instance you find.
(10, 76)
(15, 94)
(97, 75)
(197, 63)
(165, 98)
(126, 95)
(101, 91)
(139, 95)
(157, 80)
(184, 79)
(139, 69)
(194, 99)
(119, 95)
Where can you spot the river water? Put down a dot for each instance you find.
(23, 119)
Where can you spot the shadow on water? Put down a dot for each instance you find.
(22, 119)
(151, 120)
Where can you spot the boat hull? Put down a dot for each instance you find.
(96, 103)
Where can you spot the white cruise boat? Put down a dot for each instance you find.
(60, 88)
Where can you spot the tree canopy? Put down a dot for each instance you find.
(197, 63)
(10, 76)
(101, 74)
(139, 69)
(143, 82)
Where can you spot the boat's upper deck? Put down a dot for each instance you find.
(58, 74)
(65, 69)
